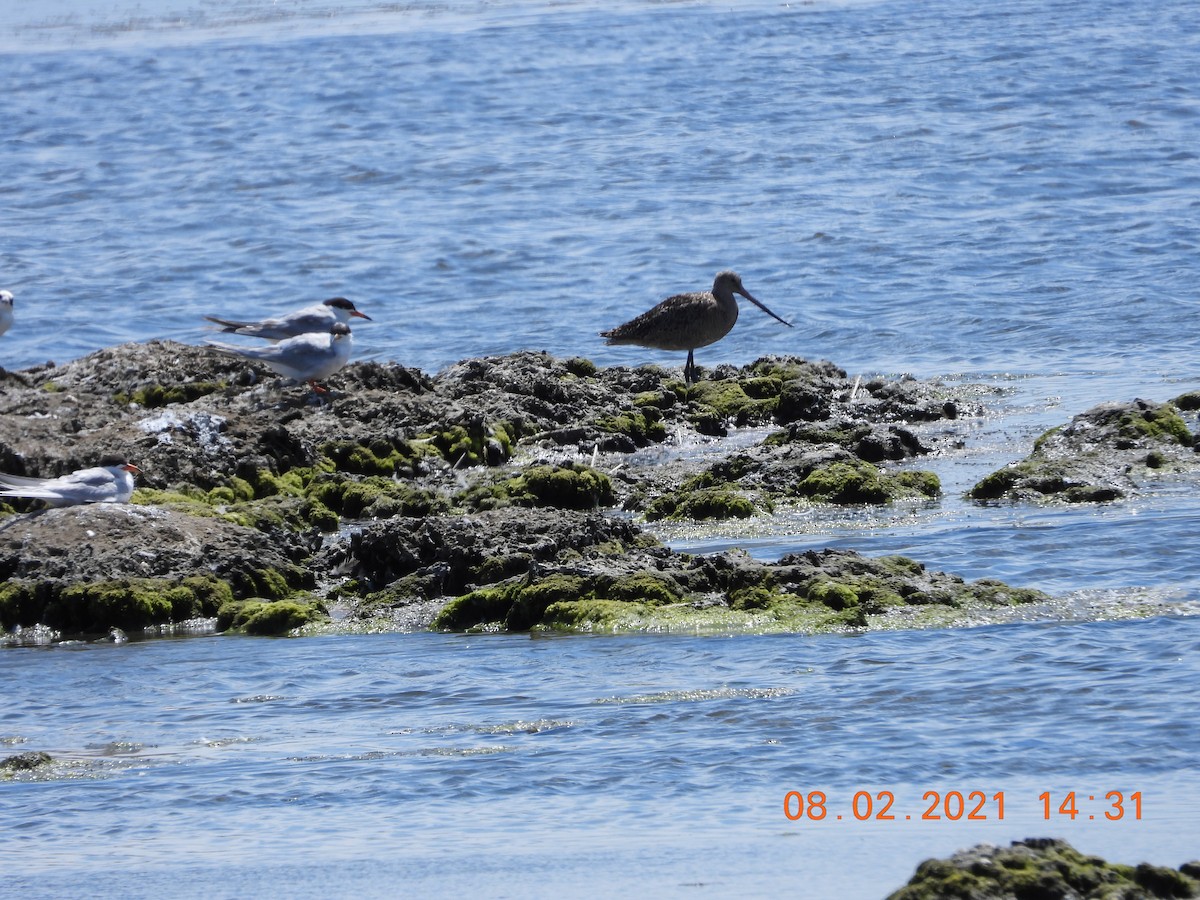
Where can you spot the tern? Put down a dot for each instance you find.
(319, 318)
(305, 357)
(111, 483)
(688, 321)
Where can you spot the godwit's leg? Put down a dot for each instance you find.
(689, 371)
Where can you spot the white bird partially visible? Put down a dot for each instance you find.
(6, 311)
(306, 357)
(319, 318)
(111, 483)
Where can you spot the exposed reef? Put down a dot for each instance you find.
(1105, 453)
(500, 493)
(92, 568)
(505, 570)
(1044, 867)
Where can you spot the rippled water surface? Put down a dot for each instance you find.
(998, 194)
(517, 766)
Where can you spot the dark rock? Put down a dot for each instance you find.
(468, 550)
(593, 572)
(94, 568)
(1099, 456)
(23, 762)
(1042, 867)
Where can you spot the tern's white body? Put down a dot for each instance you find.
(318, 318)
(6, 311)
(100, 484)
(306, 357)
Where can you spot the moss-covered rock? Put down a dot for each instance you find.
(96, 607)
(739, 401)
(377, 456)
(1099, 456)
(152, 396)
(23, 762)
(1042, 867)
(666, 591)
(521, 605)
(862, 482)
(1157, 421)
(474, 444)
(570, 486)
(91, 568)
(580, 367)
(269, 617)
(1189, 402)
(641, 426)
(700, 504)
(375, 497)
(274, 512)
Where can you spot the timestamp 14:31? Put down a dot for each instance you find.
(954, 805)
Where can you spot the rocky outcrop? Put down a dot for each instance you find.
(560, 570)
(92, 568)
(1103, 454)
(408, 496)
(1044, 867)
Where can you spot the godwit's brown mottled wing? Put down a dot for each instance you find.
(682, 322)
(688, 321)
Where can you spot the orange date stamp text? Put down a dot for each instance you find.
(957, 805)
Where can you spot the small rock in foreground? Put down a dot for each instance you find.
(1044, 867)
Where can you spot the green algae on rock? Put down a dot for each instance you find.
(1043, 867)
(1099, 456)
(568, 486)
(519, 606)
(862, 482)
(89, 569)
(664, 590)
(262, 617)
(374, 497)
(753, 482)
(153, 396)
(429, 489)
(700, 504)
(95, 607)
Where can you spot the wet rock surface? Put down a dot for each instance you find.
(1044, 867)
(92, 568)
(1105, 453)
(23, 762)
(508, 570)
(480, 497)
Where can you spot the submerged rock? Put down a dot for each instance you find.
(1044, 867)
(23, 762)
(1102, 454)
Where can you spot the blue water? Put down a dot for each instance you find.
(1003, 194)
(517, 766)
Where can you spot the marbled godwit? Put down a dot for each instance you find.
(320, 317)
(688, 321)
(305, 357)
